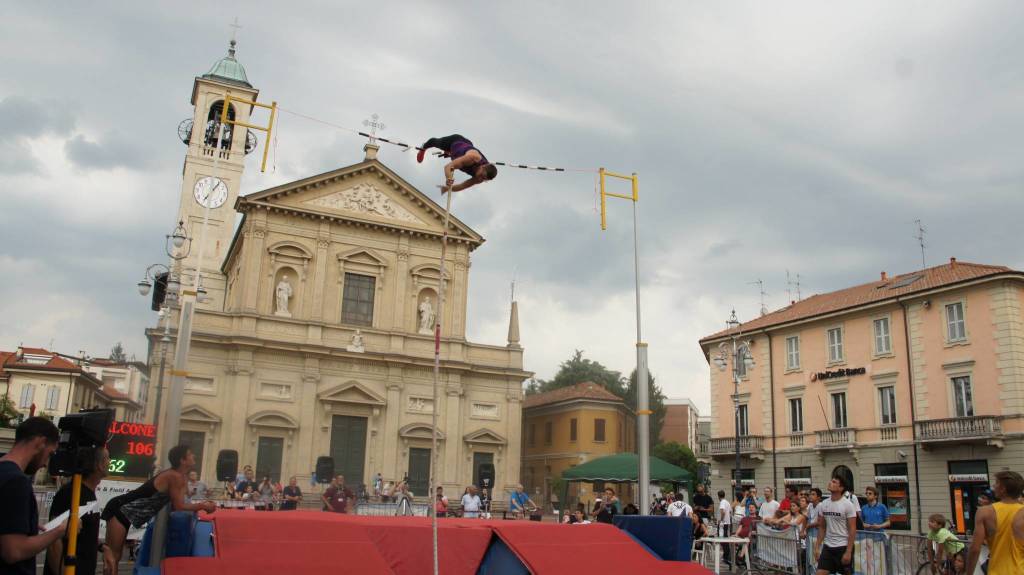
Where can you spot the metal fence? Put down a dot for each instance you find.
(384, 509)
(44, 498)
(777, 551)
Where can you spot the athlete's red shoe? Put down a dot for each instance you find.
(420, 154)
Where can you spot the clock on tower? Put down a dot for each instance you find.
(201, 188)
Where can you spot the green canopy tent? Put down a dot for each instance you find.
(622, 468)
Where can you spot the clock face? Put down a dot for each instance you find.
(211, 192)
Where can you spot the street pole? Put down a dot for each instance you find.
(643, 422)
(736, 412)
(163, 361)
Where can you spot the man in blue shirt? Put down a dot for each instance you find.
(520, 503)
(875, 515)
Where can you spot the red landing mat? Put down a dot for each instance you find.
(299, 542)
(595, 548)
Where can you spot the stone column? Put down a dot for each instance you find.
(238, 385)
(320, 273)
(513, 429)
(389, 435)
(457, 315)
(309, 427)
(253, 249)
(401, 282)
(449, 472)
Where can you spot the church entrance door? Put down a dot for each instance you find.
(419, 471)
(268, 458)
(348, 448)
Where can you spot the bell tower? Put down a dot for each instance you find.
(212, 175)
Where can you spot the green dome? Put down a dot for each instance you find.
(227, 68)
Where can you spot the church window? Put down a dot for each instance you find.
(357, 301)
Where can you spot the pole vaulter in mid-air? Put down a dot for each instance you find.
(465, 157)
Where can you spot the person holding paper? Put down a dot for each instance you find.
(89, 531)
(35, 440)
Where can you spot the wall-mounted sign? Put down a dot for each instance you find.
(132, 448)
(843, 372)
(968, 478)
(798, 481)
(891, 479)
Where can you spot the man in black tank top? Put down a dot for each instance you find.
(137, 507)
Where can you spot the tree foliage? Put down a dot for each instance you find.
(677, 454)
(579, 369)
(117, 353)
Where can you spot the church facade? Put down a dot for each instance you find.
(316, 334)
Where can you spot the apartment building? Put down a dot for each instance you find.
(681, 416)
(913, 383)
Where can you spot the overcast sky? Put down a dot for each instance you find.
(768, 136)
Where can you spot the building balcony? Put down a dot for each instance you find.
(836, 438)
(722, 447)
(953, 430)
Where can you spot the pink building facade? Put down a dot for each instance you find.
(913, 383)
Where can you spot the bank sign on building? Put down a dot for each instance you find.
(316, 335)
(913, 383)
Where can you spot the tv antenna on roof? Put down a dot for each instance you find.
(921, 230)
(790, 284)
(760, 285)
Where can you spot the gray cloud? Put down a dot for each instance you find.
(113, 151)
(797, 136)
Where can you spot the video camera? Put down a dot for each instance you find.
(81, 434)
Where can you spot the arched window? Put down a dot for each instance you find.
(847, 475)
(213, 125)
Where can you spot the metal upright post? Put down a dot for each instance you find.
(643, 400)
(437, 376)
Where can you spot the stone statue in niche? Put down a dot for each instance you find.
(427, 317)
(284, 293)
(357, 343)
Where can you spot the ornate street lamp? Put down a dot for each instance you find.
(740, 354)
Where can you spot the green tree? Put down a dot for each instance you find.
(578, 369)
(677, 454)
(117, 353)
(8, 413)
(656, 403)
(532, 386)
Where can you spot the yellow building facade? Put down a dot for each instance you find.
(570, 426)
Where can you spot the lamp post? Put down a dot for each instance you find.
(177, 245)
(740, 355)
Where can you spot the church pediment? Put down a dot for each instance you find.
(364, 199)
(484, 436)
(366, 194)
(418, 431)
(276, 419)
(351, 392)
(199, 415)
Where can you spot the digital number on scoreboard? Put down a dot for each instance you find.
(132, 448)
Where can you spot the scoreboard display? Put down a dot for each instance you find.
(132, 448)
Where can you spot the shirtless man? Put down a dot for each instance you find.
(465, 158)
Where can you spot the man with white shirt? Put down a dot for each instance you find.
(471, 503)
(838, 531)
(724, 515)
(770, 505)
(679, 507)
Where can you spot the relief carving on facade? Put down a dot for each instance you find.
(364, 198)
(420, 405)
(486, 410)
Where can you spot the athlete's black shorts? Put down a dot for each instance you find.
(831, 560)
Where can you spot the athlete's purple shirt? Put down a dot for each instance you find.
(459, 149)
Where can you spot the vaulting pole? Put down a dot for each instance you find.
(437, 375)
